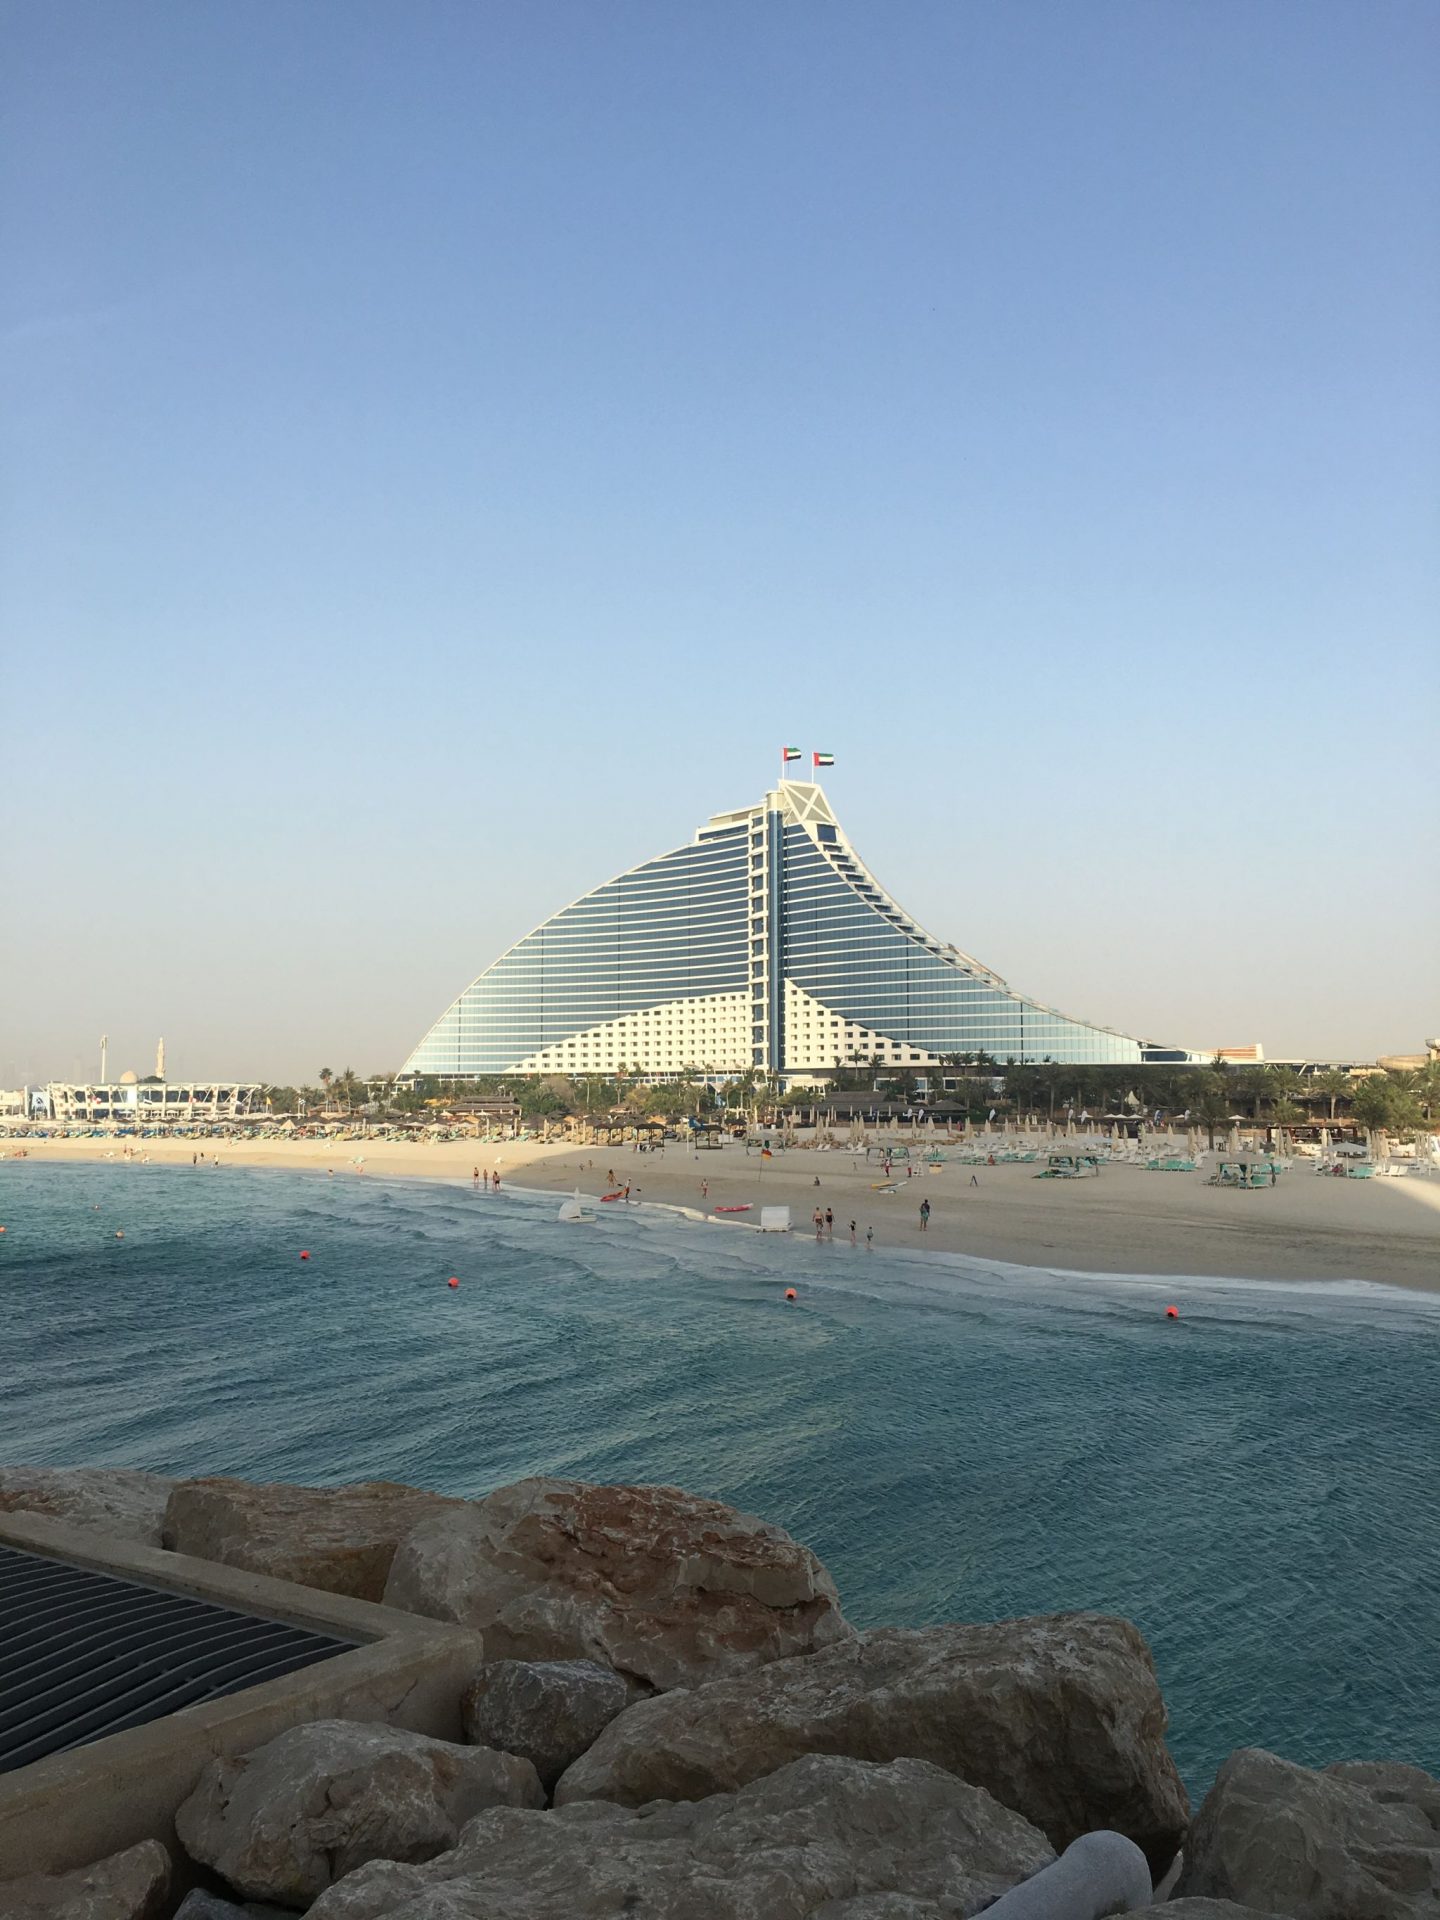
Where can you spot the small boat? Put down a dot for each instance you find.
(573, 1210)
(744, 1207)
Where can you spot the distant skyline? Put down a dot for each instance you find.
(449, 449)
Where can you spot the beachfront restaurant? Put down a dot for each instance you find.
(130, 1101)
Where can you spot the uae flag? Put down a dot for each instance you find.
(787, 754)
(823, 759)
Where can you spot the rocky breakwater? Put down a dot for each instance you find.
(1060, 1718)
(716, 1741)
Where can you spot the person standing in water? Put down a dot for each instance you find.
(869, 1239)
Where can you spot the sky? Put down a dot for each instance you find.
(448, 449)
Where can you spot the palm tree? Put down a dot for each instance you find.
(1427, 1088)
(1332, 1085)
(326, 1076)
(1211, 1104)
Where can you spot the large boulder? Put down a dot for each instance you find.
(320, 1800)
(1357, 1842)
(1200, 1909)
(825, 1835)
(113, 1500)
(340, 1538)
(133, 1885)
(1059, 1717)
(548, 1711)
(652, 1581)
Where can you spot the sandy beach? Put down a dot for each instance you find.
(1124, 1221)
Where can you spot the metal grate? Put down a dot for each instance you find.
(84, 1654)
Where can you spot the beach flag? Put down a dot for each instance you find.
(822, 759)
(787, 754)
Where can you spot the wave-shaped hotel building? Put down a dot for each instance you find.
(764, 943)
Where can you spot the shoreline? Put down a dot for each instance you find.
(1126, 1221)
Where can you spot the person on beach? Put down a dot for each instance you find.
(869, 1239)
(475, 1181)
(974, 1179)
(495, 1180)
(852, 1233)
(829, 1224)
(704, 1189)
(925, 1215)
(819, 1220)
(610, 1178)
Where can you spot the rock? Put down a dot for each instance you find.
(1058, 1717)
(133, 1885)
(339, 1538)
(1393, 1785)
(548, 1711)
(649, 1580)
(111, 1499)
(824, 1836)
(320, 1800)
(207, 1906)
(1356, 1842)
(1201, 1910)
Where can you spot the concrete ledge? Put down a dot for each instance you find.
(71, 1808)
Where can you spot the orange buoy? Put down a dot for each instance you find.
(304, 1253)
(452, 1281)
(1172, 1313)
(790, 1293)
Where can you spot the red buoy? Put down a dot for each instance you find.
(452, 1281)
(304, 1253)
(790, 1293)
(1172, 1313)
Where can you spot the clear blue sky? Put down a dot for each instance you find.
(449, 449)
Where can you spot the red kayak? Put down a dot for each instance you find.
(619, 1194)
(745, 1208)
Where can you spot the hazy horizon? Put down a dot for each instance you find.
(450, 449)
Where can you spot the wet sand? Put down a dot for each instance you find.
(1124, 1221)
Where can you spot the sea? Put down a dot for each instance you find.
(1253, 1482)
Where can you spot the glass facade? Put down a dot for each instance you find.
(847, 944)
(674, 929)
(763, 901)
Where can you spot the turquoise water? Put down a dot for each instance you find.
(1254, 1484)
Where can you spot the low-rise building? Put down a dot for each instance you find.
(154, 1102)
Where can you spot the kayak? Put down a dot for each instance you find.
(619, 1194)
(744, 1208)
